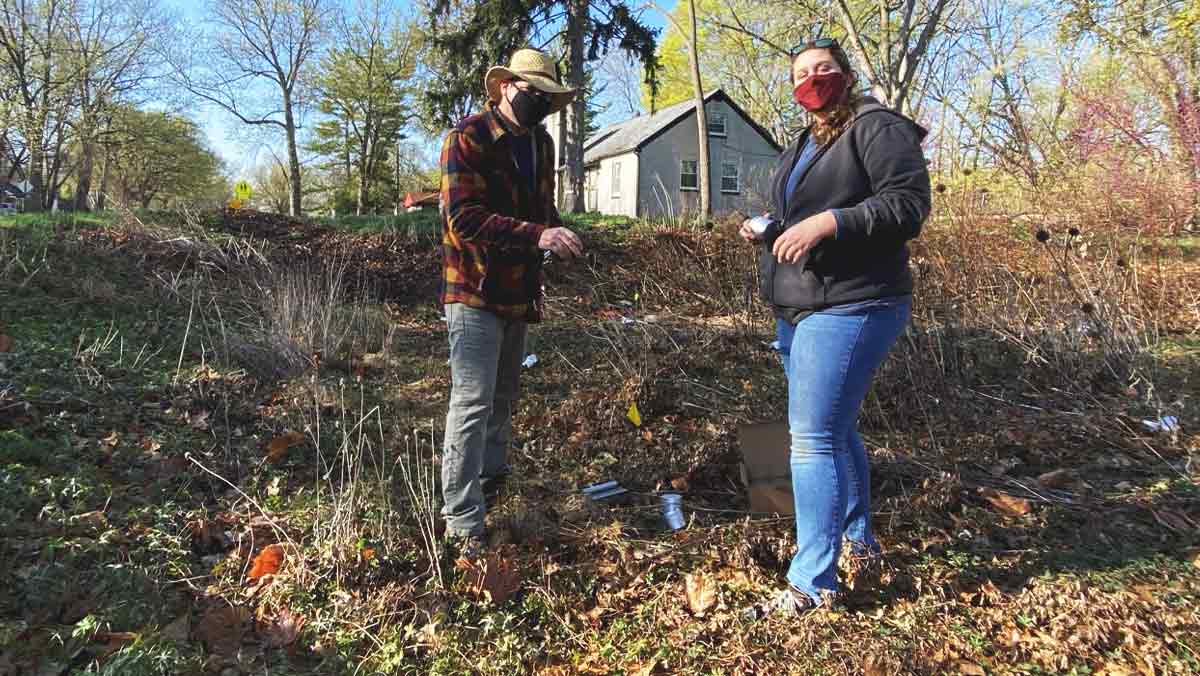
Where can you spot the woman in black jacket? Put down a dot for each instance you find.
(846, 197)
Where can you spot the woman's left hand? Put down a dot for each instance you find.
(803, 236)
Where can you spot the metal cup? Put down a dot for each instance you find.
(672, 510)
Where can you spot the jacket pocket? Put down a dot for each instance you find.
(796, 286)
(766, 273)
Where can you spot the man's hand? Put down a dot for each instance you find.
(803, 236)
(562, 242)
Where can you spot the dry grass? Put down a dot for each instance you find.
(1024, 358)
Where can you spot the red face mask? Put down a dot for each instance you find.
(820, 90)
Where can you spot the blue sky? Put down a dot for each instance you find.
(229, 138)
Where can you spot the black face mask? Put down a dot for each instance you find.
(529, 109)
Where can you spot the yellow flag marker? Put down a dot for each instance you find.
(634, 416)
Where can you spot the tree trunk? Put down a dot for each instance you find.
(293, 158)
(361, 201)
(701, 117)
(105, 172)
(87, 160)
(36, 199)
(577, 19)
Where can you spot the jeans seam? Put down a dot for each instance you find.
(835, 533)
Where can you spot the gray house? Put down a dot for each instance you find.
(647, 166)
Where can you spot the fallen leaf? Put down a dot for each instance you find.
(970, 668)
(6, 343)
(873, 665)
(1173, 520)
(634, 415)
(199, 420)
(207, 536)
(1055, 479)
(368, 553)
(278, 447)
(114, 640)
(1008, 504)
(111, 440)
(222, 629)
(94, 520)
(179, 630)
(267, 562)
(150, 445)
(681, 484)
(701, 593)
(1196, 559)
(494, 578)
(647, 669)
(284, 629)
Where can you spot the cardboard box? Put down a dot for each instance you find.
(766, 469)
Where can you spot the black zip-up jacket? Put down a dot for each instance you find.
(875, 175)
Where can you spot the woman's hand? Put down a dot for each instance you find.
(747, 233)
(803, 236)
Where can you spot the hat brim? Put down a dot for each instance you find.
(560, 96)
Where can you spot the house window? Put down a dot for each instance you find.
(689, 175)
(716, 124)
(730, 177)
(616, 184)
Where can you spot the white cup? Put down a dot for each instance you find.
(759, 225)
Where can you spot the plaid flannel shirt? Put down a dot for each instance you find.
(492, 218)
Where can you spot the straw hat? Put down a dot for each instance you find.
(535, 68)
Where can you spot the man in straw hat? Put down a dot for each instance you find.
(498, 217)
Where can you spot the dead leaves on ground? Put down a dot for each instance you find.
(701, 591)
(223, 628)
(283, 630)
(207, 536)
(494, 579)
(1056, 479)
(1005, 503)
(267, 562)
(278, 447)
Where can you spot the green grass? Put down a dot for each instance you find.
(424, 222)
(69, 219)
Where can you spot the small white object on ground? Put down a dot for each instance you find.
(626, 321)
(530, 361)
(1165, 424)
(775, 345)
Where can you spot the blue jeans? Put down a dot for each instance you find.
(829, 358)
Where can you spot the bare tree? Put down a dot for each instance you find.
(252, 46)
(620, 74)
(111, 42)
(890, 60)
(698, 92)
(31, 32)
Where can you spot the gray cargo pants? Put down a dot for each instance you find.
(486, 352)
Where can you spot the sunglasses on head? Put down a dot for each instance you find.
(821, 43)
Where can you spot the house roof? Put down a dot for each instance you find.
(635, 133)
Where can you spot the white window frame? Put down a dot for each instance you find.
(616, 182)
(712, 117)
(737, 177)
(696, 173)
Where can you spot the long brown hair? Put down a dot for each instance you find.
(839, 119)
